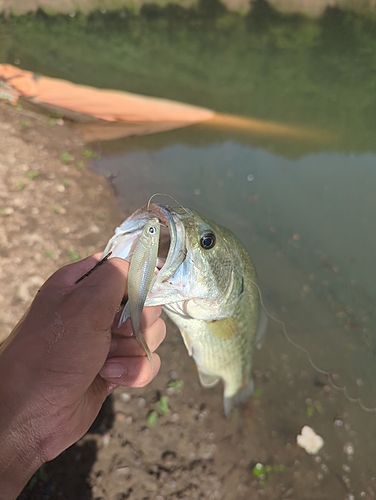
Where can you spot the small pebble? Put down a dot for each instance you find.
(141, 402)
(122, 470)
(8, 211)
(348, 449)
(120, 416)
(124, 396)
(106, 440)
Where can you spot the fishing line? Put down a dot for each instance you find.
(168, 196)
(328, 375)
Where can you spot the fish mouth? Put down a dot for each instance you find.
(172, 244)
(172, 251)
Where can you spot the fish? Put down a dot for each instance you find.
(140, 278)
(206, 284)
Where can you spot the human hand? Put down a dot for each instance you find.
(62, 360)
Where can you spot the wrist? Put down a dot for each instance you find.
(20, 452)
(20, 442)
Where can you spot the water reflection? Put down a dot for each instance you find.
(288, 69)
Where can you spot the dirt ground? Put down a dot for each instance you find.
(168, 441)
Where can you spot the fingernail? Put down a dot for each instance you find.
(112, 370)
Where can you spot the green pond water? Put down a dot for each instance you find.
(306, 211)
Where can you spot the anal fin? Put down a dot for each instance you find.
(208, 379)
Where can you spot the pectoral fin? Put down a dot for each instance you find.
(223, 329)
(187, 342)
(126, 313)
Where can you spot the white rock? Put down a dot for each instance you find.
(309, 440)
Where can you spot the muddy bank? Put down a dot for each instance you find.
(310, 8)
(52, 209)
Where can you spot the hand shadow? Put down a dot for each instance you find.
(67, 477)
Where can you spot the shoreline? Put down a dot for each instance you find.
(309, 8)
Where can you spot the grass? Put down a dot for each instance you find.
(160, 408)
(89, 154)
(176, 385)
(25, 123)
(314, 407)
(56, 208)
(32, 174)
(66, 157)
(262, 472)
(73, 255)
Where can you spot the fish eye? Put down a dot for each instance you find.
(152, 230)
(207, 240)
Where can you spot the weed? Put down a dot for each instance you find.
(56, 208)
(160, 408)
(162, 405)
(312, 407)
(73, 254)
(66, 157)
(176, 385)
(152, 417)
(32, 174)
(257, 393)
(89, 154)
(263, 472)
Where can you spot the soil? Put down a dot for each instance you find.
(53, 210)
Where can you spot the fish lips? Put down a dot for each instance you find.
(176, 251)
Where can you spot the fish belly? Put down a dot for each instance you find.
(220, 351)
